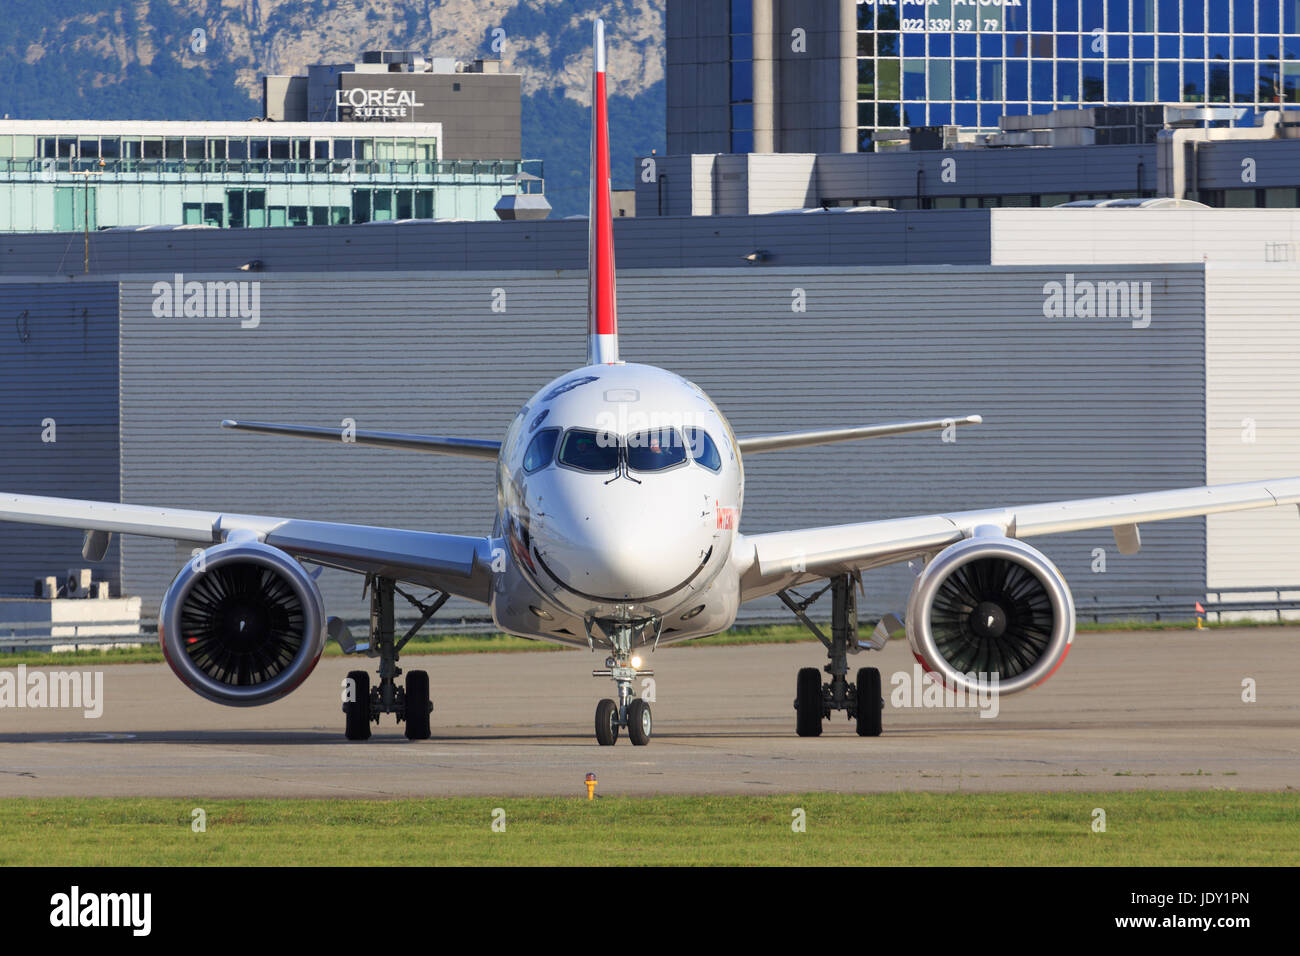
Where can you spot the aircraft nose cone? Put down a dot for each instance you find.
(626, 553)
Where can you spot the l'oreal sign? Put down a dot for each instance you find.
(377, 104)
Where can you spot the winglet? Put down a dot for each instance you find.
(602, 308)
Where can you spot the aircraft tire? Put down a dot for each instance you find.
(808, 703)
(869, 702)
(607, 723)
(357, 712)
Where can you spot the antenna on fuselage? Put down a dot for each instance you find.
(602, 306)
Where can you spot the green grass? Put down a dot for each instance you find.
(1143, 828)
(504, 643)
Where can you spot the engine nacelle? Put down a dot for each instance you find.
(988, 605)
(242, 624)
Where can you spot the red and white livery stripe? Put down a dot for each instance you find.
(602, 308)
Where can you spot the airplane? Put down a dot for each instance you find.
(620, 489)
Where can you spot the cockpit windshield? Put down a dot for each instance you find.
(602, 452)
(541, 449)
(703, 450)
(589, 450)
(655, 450)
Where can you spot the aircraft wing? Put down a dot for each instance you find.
(771, 562)
(459, 564)
(433, 444)
(760, 443)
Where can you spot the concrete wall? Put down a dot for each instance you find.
(807, 89)
(284, 99)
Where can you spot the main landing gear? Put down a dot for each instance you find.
(410, 704)
(814, 700)
(629, 711)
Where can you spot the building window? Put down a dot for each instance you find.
(741, 92)
(235, 208)
(361, 205)
(256, 208)
(1043, 54)
(424, 204)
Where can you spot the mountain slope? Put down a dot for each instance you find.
(69, 59)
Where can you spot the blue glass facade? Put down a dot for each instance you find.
(967, 62)
(742, 76)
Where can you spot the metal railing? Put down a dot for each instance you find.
(448, 170)
(28, 635)
(1139, 604)
(1181, 605)
(1169, 606)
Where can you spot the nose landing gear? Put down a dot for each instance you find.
(629, 711)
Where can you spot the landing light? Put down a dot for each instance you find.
(636, 663)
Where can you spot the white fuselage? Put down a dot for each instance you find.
(619, 491)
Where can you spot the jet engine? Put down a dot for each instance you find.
(990, 605)
(242, 624)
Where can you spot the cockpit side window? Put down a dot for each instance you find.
(703, 450)
(655, 450)
(589, 450)
(541, 450)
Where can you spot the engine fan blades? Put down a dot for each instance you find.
(992, 615)
(242, 624)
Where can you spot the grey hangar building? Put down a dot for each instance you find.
(1109, 350)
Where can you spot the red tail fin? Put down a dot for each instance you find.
(602, 307)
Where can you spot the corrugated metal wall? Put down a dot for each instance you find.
(1025, 236)
(1219, 164)
(951, 236)
(58, 361)
(1252, 429)
(1074, 407)
(782, 180)
(981, 172)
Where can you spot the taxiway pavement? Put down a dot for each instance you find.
(1160, 709)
